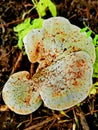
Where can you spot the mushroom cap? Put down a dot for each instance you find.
(63, 84)
(43, 45)
(66, 82)
(20, 94)
(56, 36)
(64, 76)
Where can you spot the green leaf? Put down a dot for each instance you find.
(95, 66)
(20, 43)
(84, 29)
(96, 84)
(89, 33)
(95, 41)
(94, 87)
(23, 25)
(41, 8)
(42, 5)
(37, 23)
(52, 8)
(93, 90)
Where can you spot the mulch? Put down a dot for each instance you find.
(83, 117)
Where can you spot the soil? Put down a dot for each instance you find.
(83, 117)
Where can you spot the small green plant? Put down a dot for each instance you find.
(23, 28)
(42, 5)
(93, 89)
(89, 32)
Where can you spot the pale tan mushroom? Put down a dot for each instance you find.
(67, 81)
(20, 93)
(56, 36)
(63, 84)
(64, 74)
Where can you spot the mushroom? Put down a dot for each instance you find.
(43, 45)
(64, 74)
(56, 36)
(20, 93)
(67, 81)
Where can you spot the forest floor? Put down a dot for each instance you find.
(12, 60)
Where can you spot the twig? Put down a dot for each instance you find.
(30, 121)
(6, 54)
(81, 116)
(12, 22)
(40, 124)
(16, 21)
(17, 62)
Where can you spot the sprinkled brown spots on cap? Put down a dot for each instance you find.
(64, 75)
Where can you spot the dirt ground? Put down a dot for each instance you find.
(12, 60)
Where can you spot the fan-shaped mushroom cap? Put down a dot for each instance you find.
(67, 81)
(64, 76)
(56, 36)
(20, 95)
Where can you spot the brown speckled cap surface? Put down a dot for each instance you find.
(64, 75)
(56, 36)
(19, 95)
(68, 81)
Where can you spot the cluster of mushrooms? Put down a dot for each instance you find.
(64, 75)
